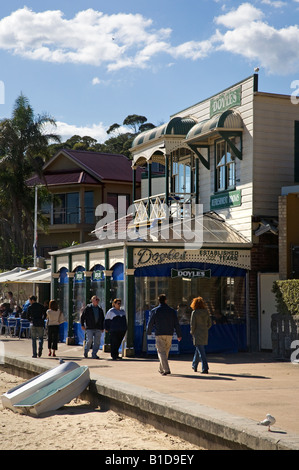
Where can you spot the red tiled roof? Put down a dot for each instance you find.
(71, 177)
(92, 168)
(105, 166)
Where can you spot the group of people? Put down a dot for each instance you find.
(92, 321)
(165, 321)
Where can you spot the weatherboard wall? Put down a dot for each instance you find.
(239, 217)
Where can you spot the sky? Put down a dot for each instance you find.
(89, 63)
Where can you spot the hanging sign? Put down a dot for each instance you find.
(225, 199)
(191, 273)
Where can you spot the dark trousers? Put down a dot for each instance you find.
(53, 335)
(116, 338)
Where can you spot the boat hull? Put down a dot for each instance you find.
(24, 390)
(56, 394)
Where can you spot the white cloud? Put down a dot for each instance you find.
(97, 131)
(96, 81)
(89, 38)
(276, 50)
(275, 3)
(244, 14)
(123, 40)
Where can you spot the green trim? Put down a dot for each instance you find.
(205, 162)
(225, 135)
(130, 304)
(71, 303)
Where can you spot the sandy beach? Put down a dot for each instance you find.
(78, 426)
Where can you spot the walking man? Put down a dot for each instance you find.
(164, 320)
(92, 321)
(36, 316)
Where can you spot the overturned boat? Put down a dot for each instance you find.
(48, 391)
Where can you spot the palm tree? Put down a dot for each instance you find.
(23, 151)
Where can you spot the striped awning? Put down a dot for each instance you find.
(227, 121)
(176, 126)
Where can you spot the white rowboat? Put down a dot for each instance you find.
(41, 383)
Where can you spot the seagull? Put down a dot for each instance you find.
(268, 421)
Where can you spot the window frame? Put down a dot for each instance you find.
(228, 165)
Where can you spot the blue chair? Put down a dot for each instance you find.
(12, 326)
(4, 327)
(24, 327)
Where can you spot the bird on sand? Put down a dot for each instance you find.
(268, 421)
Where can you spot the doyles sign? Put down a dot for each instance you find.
(227, 100)
(191, 273)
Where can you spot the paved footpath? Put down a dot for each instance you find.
(229, 402)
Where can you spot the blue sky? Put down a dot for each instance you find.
(90, 63)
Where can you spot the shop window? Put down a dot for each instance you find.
(181, 174)
(78, 292)
(97, 286)
(225, 164)
(63, 297)
(117, 283)
(224, 296)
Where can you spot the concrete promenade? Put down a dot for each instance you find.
(217, 411)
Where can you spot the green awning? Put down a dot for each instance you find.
(228, 121)
(176, 126)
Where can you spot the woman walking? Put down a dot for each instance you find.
(199, 328)
(54, 318)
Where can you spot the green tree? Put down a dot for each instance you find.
(23, 151)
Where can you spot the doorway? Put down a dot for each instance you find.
(267, 306)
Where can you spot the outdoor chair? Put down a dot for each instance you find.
(3, 326)
(12, 326)
(24, 328)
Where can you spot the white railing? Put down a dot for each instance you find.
(178, 206)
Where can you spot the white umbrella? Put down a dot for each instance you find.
(41, 276)
(8, 273)
(17, 276)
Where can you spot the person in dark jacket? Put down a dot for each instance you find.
(164, 320)
(92, 321)
(36, 316)
(116, 325)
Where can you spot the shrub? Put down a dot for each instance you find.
(287, 296)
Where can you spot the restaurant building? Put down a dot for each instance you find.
(209, 228)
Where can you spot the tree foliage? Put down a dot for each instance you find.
(118, 142)
(23, 151)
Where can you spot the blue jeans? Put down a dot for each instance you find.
(37, 332)
(200, 355)
(95, 337)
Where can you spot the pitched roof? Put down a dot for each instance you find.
(102, 166)
(67, 177)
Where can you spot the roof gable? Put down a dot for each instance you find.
(101, 166)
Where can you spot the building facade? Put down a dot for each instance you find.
(79, 181)
(212, 229)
